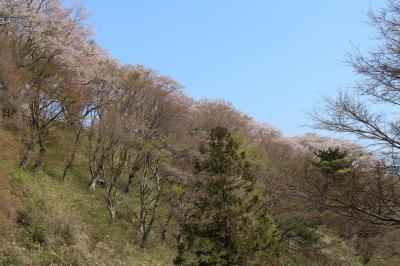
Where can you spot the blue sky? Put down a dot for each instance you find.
(273, 60)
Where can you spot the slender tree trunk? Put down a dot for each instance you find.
(181, 245)
(129, 186)
(143, 207)
(97, 176)
(72, 157)
(42, 152)
(135, 168)
(148, 227)
(92, 184)
(164, 227)
(143, 243)
(25, 158)
(112, 211)
(26, 154)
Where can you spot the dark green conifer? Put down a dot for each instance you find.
(224, 230)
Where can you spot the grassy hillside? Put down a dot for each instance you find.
(45, 221)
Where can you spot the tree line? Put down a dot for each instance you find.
(224, 189)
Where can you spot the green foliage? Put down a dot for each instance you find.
(333, 162)
(224, 157)
(35, 236)
(225, 230)
(302, 231)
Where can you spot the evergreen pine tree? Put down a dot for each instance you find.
(223, 231)
(333, 162)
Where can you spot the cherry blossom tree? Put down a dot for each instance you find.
(56, 60)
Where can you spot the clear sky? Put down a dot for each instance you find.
(273, 59)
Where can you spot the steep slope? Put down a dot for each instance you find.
(45, 221)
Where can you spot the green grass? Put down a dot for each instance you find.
(68, 225)
(45, 221)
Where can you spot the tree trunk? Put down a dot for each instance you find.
(72, 157)
(179, 260)
(145, 237)
(181, 245)
(98, 176)
(24, 159)
(130, 183)
(164, 227)
(25, 155)
(92, 184)
(112, 211)
(42, 152)
(135, 168)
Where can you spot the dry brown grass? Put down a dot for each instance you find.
(10, 205)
